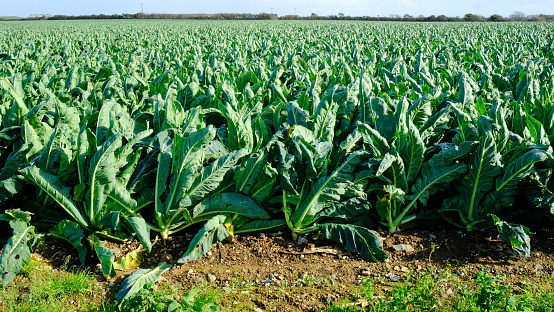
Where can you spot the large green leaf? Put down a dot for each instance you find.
(74, 234)
(230, 203)
(8, 188)
(142, 230)
(105, 255)
(261, 226)
(411, 148)
(355, 238)
(517, 235)
(507, 186)
(213, 175)
(212, 232)
(135, 282)
(240, 130)
(52, 186)
(17, 252)
(187, 163)
(326, 189)
(247, 173)
(325, 118)
(101, 173)
(296, 115)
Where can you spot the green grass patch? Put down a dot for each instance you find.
(40, 288)
(434, 291)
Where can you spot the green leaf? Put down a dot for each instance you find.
(105, 255)
(517, 235)
(52, 186)
(101, 173)
(142, 230)
(240, 130)
(8, 188)
(135, 282)
(15, 93)
(247, 173)
(184, 169)
(17, 251)
(212, 232)
(325, 119)
(213, 175)
(347, 209)
(296, 115)
(129, 261)
(356, 239)
(261, 226)
(72, 233)
(411, 148)
(507, 186)
(230, 203)
(374, 142)
(326, 189)
(483, 167)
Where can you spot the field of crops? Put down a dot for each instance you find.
(121, 130)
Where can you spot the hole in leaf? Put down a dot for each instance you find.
(16, 257)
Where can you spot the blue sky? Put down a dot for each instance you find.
(282, 7)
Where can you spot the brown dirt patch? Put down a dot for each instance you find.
(276, 274)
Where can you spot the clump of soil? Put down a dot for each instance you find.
(276, 274)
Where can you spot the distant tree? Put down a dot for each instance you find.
(471, 18)
(408, 16)
(518, 16)
(496, 18)
(442, 18)
(537, 18)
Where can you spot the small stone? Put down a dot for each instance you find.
(211, 278)
(258, 310)
(302, 240)
(334, 275)
(432, 236)
(538, 267)
(405, 247)
(395, 278)
(404, 269)
(366, 272)
(460, 232)
(396, 268)
(23, 296)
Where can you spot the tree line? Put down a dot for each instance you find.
(514, 17)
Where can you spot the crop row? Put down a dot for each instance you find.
(116, 130)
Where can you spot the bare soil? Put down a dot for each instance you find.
(273, 273)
